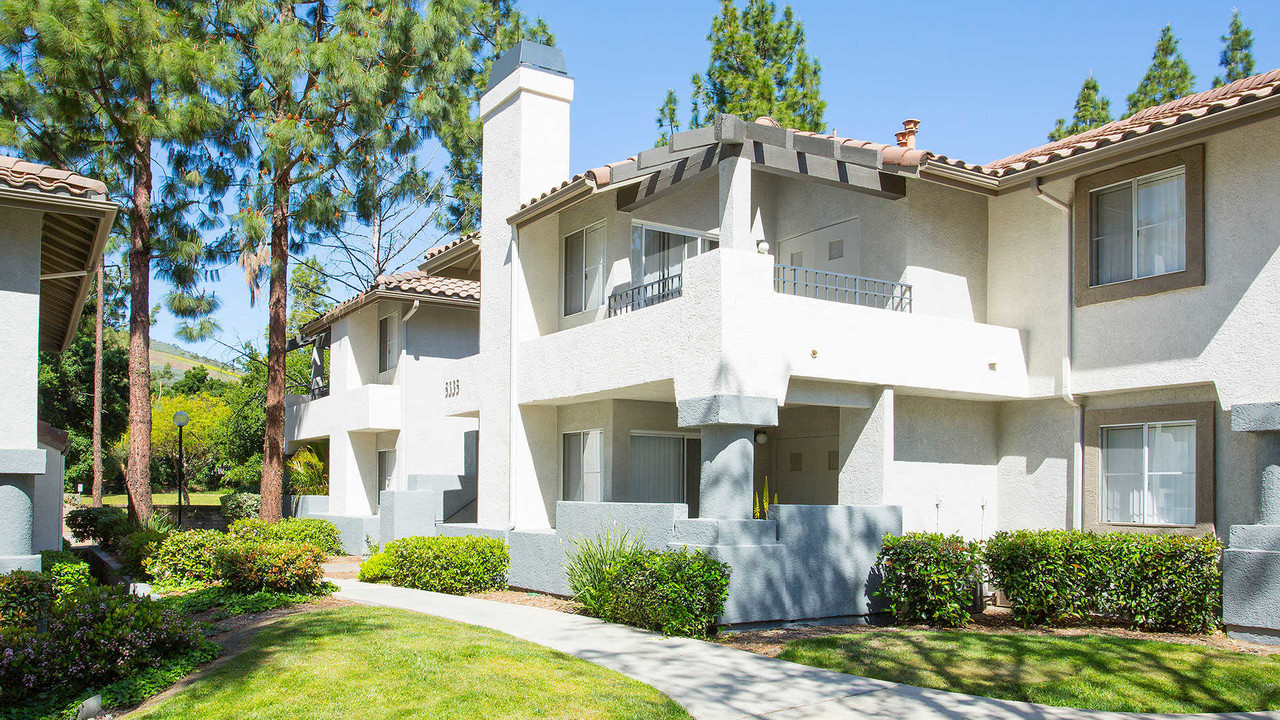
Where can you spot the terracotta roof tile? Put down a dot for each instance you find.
(417, 281)
(21, 174)
(439, 249)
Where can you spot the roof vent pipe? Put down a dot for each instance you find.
(907, 136)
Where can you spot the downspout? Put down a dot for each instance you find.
(1077, 472)
(513, 403)
(412, 310)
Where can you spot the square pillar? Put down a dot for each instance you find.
(866, 450)
(18, 509)
(735, 200)
(728, 471)
(1251, 563)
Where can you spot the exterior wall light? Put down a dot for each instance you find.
(762, 437)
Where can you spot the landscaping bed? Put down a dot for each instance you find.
(381, 663)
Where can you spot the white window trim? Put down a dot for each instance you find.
(582, 432)
(1133, 230)
(1146, 463)
(604, 263)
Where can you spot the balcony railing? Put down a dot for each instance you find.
(837, 287)
(319, 390)
(642, 296)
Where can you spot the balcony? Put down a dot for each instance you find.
(642, 296)
(836, 287)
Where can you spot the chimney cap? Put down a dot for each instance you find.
(529, 54)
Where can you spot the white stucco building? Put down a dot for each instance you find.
(895, 339)
(53, 226)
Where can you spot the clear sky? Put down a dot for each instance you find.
(987, 79)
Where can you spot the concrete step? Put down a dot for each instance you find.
(705, 531)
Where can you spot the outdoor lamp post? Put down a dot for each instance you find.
(180, 419)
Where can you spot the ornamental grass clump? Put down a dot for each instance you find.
(595, 561)
(929, 578)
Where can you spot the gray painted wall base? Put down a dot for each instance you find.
(804, 562)
(353, 529)
(9, 563)
(1251, 584)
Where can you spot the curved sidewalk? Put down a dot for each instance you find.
(714, 682)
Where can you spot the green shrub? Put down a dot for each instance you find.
(313, 531)
(135, 548)
(307, 473)
(94, 636)
(67, 571)
(454, 565)
(103, 525)
(676, 592)
(25, 598)
(190, 556)
(1158, 582)
(377, 568)
(228, 602)
(240, 505)
(245, 477)
(929, 578)
(247, 566)
(595, 561)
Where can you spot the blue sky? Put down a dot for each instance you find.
(987, 79)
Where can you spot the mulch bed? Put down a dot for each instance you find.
(532, 599)
(995, 620)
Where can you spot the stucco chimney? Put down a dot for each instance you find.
(907, 136)
(525, 111)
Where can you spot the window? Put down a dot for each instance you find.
(1149, 474)
(388, 344)
(833, 460)
(386, 469)
(797, 258)
(796, 462)
(1139, 227)
(658, 253)
(658, 467)
(835, 249)
(584, 269)
(583, 467)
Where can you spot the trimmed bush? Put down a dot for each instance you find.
(454, 565)
(95, 635)
(376, 569)
(676, 592)
(67, 571)
(1158, 582)
(248, 566)
(929, 578)
(25, 597)
(240, 505)
(135, 548)
(190, 556)
(103, 525)
(595, 562)
(312, 531)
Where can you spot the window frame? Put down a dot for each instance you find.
(1203, 414)
(600, 268)
(386, 483)
(1134, 228)
(705, 239)
(392, 360)
(1191, 159)
(1146, 471)
(684, 438)
(563, 471)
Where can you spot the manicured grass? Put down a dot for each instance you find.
(374, 663)
(1092, 672)
(197, 498)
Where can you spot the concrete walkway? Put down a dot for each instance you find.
(714, 682)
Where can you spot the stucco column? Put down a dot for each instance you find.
(1269, 482)
(18, 510)
(735, 202)
(866, 450)
(728, 467)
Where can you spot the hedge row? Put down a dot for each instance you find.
(454, 565)
(254, 555)
(1157, 582)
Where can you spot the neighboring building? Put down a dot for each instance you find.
(53, 226)
(895, 339)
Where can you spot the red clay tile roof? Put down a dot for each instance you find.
(21, 174)
(416, 281)
(451, 244)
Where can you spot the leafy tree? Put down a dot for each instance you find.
(1237, 52)
(309, 293)
(758, 66)
(1092, 110)
(106, 88)
(668, 122)
(207, 417)
(1168, 78)
(66, 397)
(197, 380)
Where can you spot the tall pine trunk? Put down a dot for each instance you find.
(97, 387)
(273, 442)
(138, 474)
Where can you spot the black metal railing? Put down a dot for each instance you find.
(319, 390)
(642, 296)
(837, 287)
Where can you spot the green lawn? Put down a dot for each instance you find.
(373, 663)
(1093, 672)
(197, 498)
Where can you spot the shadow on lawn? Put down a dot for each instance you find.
(1046, 670)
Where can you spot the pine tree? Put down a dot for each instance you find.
(668, 122)
(758, 66)
(328, 89)
(106, 88)
(1092, 110)
(1237, 52)
(1168, 78)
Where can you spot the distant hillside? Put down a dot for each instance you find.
(181, 360)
